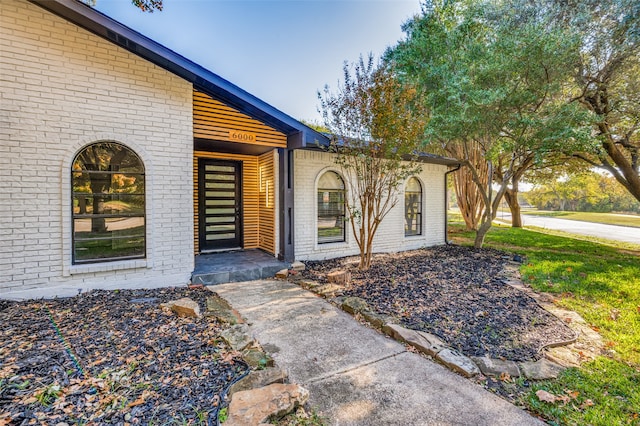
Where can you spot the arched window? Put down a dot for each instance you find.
(108, 204)
(413, 207)
(331, 208)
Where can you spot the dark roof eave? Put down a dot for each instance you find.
(421, 157)
(202, 79)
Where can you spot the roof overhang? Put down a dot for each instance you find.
(204, 80)
(422, 157)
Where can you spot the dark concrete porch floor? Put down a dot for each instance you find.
(235, 266)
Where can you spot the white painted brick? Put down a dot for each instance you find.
(63, 88)
(309, 165)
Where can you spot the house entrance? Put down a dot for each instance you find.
(220, 205)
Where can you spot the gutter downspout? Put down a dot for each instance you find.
(446, 203)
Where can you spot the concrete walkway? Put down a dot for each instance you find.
(357, 376)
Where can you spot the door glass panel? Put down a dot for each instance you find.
(215, 177)
(221, 211)
(220, 185)
(218, 193)
(214, 237)
(221, 203)
(219, 168)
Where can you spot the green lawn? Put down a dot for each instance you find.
(601, 283)
(608, 218)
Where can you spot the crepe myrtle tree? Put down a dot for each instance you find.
(377, 123)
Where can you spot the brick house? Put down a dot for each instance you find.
(122, 160)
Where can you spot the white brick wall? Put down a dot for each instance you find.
(309, 165)
(62, 88)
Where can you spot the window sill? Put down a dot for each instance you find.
(331, 244)
(109, 266)
(413, 237)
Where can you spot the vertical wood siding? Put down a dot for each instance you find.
(214, 120)
(267, 200)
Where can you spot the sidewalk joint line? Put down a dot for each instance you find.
(336, 373)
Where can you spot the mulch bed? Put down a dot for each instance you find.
(118, 358)
(456, 293)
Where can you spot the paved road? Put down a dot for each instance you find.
(356, 376)
(600, 230)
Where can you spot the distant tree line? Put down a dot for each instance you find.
(585, 192)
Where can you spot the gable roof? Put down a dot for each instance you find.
(76, 12)
(298, 134)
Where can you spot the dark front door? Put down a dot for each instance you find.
(219, 205)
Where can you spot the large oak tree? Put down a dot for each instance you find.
(494, 80)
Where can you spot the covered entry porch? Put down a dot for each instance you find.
(234, 179)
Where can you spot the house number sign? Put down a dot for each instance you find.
(238, 136)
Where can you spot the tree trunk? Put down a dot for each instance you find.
(468, 195)
(481, 233)
(511, 196)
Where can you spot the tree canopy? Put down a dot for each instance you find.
(607, 80)
(493, 77)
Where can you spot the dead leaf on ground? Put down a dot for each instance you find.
(545, 396)
(586, 403)
(141, 399)
(572, 394)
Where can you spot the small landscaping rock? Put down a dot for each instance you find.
(328, 290)
(542, 369)
(354, 305)
(237, 337)
(457, 362)
(297, 266)
(308, 284)
(282, 273)
(252, 407)
(339, 277)
(184, 307)
(428, 343)
(257, 359)
(375, 319)
(496, 367)
(258, 379)
(424, 342)
(563, 356)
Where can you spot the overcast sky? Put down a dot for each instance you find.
(280, 51)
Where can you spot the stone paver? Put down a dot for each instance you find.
(255, 406)
(496, 367)
(354, 305)
(457, 362)
(237, 337)
(356, 375)
(541, 370)
(424, 342)
(184, 307)
(258, 379)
